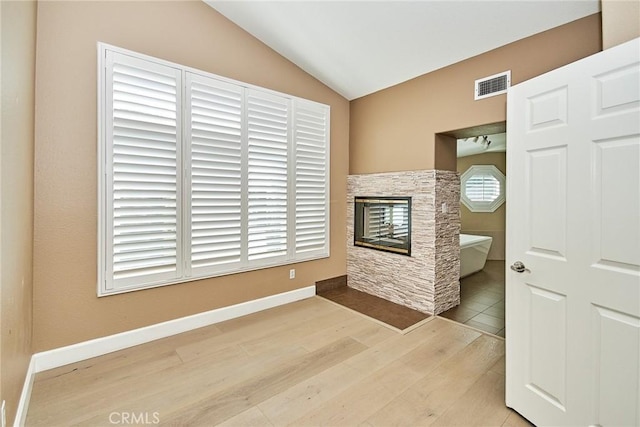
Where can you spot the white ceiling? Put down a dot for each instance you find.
(359, 47)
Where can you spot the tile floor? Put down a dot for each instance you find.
(482, 300)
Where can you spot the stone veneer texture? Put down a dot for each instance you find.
(428, 280)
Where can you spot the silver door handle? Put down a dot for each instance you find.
(519, 267)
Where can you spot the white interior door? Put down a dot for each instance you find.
(573, 186)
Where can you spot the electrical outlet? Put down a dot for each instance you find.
(292, 273)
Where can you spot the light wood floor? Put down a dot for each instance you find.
(307, 363)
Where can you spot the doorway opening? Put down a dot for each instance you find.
(481, 162)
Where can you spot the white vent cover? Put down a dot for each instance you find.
(493, 85)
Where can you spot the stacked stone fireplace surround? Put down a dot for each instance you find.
(428, 280)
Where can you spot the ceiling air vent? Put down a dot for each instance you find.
(493, 85)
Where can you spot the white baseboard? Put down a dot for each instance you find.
(23, 404)
(97, 347)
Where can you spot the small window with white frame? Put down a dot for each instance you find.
(482, 188)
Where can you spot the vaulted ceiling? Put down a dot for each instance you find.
(360, 47)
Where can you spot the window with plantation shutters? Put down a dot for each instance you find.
(267, 189)
(482, 188)
(377, 223)
(311, 178)
(214, 138)
(202, 176)
(142, 173)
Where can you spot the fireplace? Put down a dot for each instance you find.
(383, 223)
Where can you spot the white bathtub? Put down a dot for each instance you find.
(473, 253)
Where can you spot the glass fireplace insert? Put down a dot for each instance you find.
(383, 223)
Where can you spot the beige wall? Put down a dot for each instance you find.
(16, 196)
(485, 223)
(191, 33)
(394, 129)
(620, 21)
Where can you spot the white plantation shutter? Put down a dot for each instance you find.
(400, 220)
(268, 146)
(311, 133)
(142, 168)
(214, 138)
(377, 215)
(482, 188)
(201, 176)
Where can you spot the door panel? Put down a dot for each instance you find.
(617, 90)
(548, 109)
(547, 365)
(573, 168)
(617, 350)
(547, 192)
(617, 160)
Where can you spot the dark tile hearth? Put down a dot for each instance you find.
(334, 282)
(385, 311)
(482, 300)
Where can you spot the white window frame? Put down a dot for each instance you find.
(482, 206)
(297, 250)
